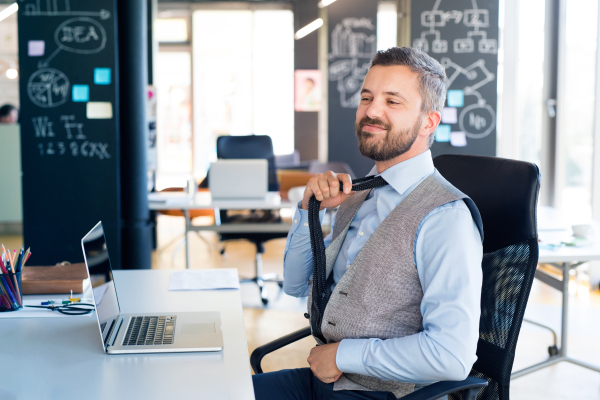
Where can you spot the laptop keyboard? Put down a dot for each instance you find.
(145, 331)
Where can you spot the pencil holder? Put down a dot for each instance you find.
(11, 290)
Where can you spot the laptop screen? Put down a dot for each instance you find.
(97, 261)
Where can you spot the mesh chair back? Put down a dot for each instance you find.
(249, 147)
(505, 192)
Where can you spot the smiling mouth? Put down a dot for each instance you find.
(373, 128)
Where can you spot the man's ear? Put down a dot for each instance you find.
(431, 121)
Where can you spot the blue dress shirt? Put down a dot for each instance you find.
(447, 254)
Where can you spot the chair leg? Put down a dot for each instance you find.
(260, 279)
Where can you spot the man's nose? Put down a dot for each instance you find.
(375, 110)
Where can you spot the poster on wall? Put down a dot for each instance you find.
(307, 90)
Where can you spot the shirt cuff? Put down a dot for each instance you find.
(300, 221)
(349, 356)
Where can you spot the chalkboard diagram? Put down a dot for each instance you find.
(60, 8)
(479, 119)
(353, 44)
(80, 35)
(48, 88)
(475, 18)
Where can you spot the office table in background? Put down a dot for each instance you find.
(203, 200)
(550, 226)
(51, 358)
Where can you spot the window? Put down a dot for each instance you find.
(243, 79)
(387, 25)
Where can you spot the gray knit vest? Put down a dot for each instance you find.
(380, 294)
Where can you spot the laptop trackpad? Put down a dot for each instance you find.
(198, 328)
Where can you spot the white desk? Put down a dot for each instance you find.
(203, 201)
(551, 226)
(51, 358)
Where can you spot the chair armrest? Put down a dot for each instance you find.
(260, 352)
(439, 389)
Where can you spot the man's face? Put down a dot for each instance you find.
(389, 118)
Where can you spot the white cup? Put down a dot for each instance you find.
(582, 231)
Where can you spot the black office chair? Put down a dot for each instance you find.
(505, 192)
(252, 147)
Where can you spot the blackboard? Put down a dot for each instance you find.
(352, 35)
(69, 126)
(463, 36)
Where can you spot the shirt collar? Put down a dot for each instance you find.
(405, 174)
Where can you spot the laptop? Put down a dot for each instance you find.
(158, 332)
(239, 179)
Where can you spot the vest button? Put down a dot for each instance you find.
(331, 323)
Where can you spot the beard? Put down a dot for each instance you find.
(393, 144)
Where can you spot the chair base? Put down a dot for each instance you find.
(260, 281)
(552, 361)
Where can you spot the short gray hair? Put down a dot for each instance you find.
(432, 74)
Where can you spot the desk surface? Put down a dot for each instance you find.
(203, 200)
(50, 358)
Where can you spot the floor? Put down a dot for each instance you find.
(284, 314)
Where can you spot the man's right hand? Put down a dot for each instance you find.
(326, 188)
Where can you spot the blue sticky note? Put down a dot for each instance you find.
(81, 93)
(456, 98)
(102, 76)
(442, 133)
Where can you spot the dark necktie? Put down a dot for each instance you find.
(321, 283)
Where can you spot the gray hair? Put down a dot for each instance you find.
(432, 74)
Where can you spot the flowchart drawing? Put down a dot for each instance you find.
(59, 8)
(473, 18)
(48, 88)
(477, 120)
(353, 44)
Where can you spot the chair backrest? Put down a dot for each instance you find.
(506, 193)
(249, 147)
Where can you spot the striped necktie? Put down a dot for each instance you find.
(321, 290)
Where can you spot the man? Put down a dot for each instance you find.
(404, 307)
(9, 114)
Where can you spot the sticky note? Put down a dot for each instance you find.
(102, 76)
(99, 110)
(81, 93)
(458, 139)
(442, 133)
(36, 48)
(449, 115)
(456, 98)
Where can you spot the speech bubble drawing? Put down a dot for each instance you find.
(81, 35)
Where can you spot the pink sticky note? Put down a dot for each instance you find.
(458, 139)
(36, 48)
(449, 115)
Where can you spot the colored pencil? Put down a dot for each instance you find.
(4, 298)
(12, 298)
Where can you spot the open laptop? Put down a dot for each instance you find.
(239, 179)
(159, 332)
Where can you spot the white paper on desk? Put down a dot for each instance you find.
(28, 312)
(205, 279)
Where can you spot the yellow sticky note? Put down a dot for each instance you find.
(99, 110)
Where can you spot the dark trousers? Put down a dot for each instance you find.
(301, 384)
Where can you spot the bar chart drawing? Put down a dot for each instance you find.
(48, 88)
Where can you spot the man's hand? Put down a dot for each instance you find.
(326, 188)
(322, 362)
